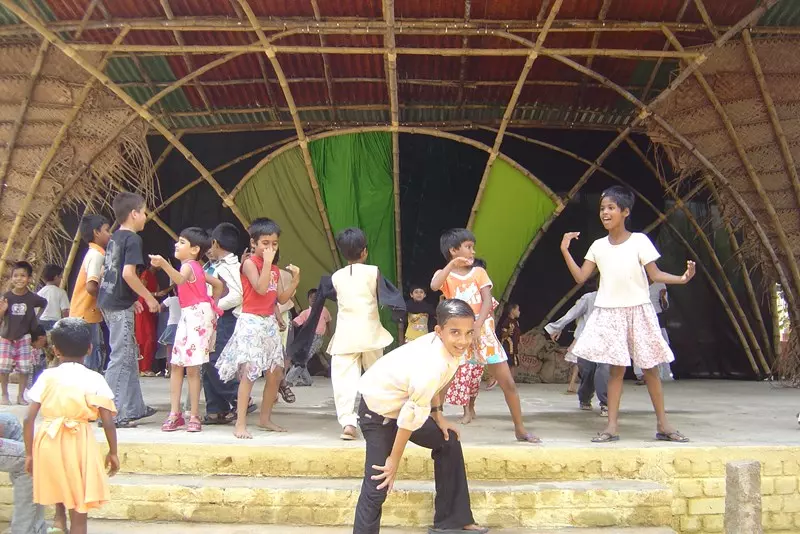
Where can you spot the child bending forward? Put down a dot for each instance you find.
(624, 326)
(197, 325)
(63, 456)
(255, 347)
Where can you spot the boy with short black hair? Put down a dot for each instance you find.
(360, 337)
(225, 265)
(18, 315)
(57, 299)
(117, 298)
(95, 230)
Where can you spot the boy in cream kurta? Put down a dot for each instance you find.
(360, 338)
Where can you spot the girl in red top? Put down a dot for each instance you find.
(194, 339)
(255, 347)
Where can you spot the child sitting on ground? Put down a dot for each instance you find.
(63, 456)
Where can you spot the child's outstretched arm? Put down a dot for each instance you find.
(27, 434)
(657, 275)
(112, 460)
(178, 277)
(486, 309)
(439, 278)
(582, 273)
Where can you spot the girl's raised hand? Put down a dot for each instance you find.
(690, 271)
(294, 269)
(567, 239)
(157, 261)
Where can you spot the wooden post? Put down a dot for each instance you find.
(269, 50)
(390, 61)
(512, 103)
(53, 150)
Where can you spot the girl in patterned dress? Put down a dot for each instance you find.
(255, 347)
(462, 280)
(623, 326)
(194, 338)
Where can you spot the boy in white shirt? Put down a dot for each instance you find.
(57, 299)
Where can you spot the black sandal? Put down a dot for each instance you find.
(605, 437)
(286, 393)
(218, 418)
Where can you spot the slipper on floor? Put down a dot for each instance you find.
(482, 530)
(529, 438)
(675, 437)
(605, 437)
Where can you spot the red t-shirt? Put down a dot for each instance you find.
(254, 303)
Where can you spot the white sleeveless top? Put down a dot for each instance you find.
(358, 325)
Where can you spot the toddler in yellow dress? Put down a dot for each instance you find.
(63, 457)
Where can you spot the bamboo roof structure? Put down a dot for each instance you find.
(712, 82)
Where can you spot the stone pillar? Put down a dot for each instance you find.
(743, 497)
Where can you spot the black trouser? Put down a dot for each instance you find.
(594, 376)
(220, 396)
(452, 508)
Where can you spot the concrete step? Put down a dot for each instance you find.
(331, 502)
(98, 526)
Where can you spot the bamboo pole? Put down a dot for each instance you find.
(301, 136)
(78, 175)
(769, 103)
(87, 15)
(462, 71)
(325, 61)
(52, 151)
(359, 50)
(601, 17)
(701, 8)
(661, 218)
(308, 25)
(659, 61)
(390, 61)
(23, 110)
(512, 103)
(176, 34)
(701, 234)
(141, 110)
(783, 239)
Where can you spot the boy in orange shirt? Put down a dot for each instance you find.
(95, 230)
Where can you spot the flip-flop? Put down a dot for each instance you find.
(605, 437)
(432, 530)
(348, 437)
(220, 419)
(674, 436)
(527, 438)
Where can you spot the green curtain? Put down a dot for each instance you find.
(511, 211)
(282, 191)
(354, 172)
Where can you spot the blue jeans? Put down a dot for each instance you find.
(94, 360)
(122, 373)
(28, 517)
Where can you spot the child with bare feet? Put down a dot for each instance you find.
(624, 326)
(18, 316)
(255, 347)
(460, 279)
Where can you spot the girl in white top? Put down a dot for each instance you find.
(624, 326)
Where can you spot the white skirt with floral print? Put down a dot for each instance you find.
(619, 336)
(194, 338)
(255, 348)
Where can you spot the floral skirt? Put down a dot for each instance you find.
(619, 336)
(465, 384)
(486, 349)
(194, 338)
(255, 348)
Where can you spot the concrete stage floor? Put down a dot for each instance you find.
(710, 412)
